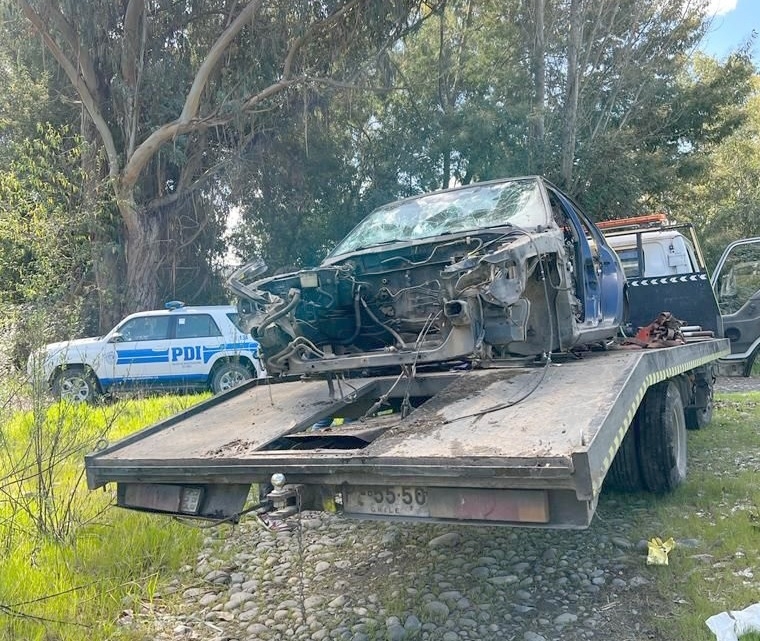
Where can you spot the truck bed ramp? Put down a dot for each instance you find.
(512, 445)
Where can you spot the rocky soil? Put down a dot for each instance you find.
(335, 578)
(364, 580)
(737, 384)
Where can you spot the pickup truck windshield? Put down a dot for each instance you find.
(517, 203)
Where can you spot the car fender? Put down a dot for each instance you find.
(246, 352)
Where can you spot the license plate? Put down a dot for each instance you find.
(396, 500)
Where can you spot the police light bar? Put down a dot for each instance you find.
(174, 304)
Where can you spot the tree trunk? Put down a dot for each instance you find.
(143, 256)
(105, 253)
(538, 129)
(570, 111)
(109, 269)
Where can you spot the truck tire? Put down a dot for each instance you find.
(624, 474)
(662, 438)
(229, 375)
(75, 385)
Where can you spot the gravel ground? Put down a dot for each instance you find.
(341, 579)
(737, 384)
(367, 580)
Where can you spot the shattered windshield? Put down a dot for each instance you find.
(478, 206)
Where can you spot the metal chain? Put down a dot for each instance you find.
(301, 564)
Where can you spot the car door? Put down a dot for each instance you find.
(598, 272)
(736, 282)
(141, 353)
(195, 337)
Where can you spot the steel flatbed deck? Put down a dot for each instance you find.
(517, 445)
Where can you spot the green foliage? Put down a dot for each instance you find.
(455, 101)
(393, 98)
(139, 64)
(40, 202)
(722, 199)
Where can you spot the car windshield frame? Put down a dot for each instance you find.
(507, 203)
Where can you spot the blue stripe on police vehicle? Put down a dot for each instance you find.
(137, 356)
(210, 352)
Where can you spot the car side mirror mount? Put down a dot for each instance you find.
(116, 338)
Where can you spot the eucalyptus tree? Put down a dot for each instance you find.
(603, 97)
(625, 108)
(173, 93)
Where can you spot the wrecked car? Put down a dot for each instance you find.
(472, 275)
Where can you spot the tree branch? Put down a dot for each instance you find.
(81, 84)
(190, 110)
(188, 120)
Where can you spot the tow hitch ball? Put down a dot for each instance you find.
(285, 499)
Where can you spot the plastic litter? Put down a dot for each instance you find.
(729, 626)
(659, 550)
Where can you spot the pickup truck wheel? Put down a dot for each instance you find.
(229, 375)
(662, 438)
(75, 385)
(624, 473)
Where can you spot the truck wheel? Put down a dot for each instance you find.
(229, 375)
(624, 473)
(75, 385)
(662, 438)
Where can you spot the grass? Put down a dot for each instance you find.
(71, 566)
(715, 515)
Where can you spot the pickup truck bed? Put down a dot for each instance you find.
(527, 445)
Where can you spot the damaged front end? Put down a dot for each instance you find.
(475, 274)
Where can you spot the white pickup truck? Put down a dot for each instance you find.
(665, 269)
(174, 348)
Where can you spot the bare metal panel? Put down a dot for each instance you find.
(242, 423)
(560, 411)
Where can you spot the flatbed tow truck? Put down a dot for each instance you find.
(487, 434)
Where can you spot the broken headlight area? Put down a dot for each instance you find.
(460, 299)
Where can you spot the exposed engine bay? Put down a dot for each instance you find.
(473, 275)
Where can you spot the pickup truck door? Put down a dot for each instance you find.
(736, 282)
(597, 269)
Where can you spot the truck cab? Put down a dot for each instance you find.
(665, 269)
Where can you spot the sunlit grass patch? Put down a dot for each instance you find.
(70, 563)
(715, 518)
